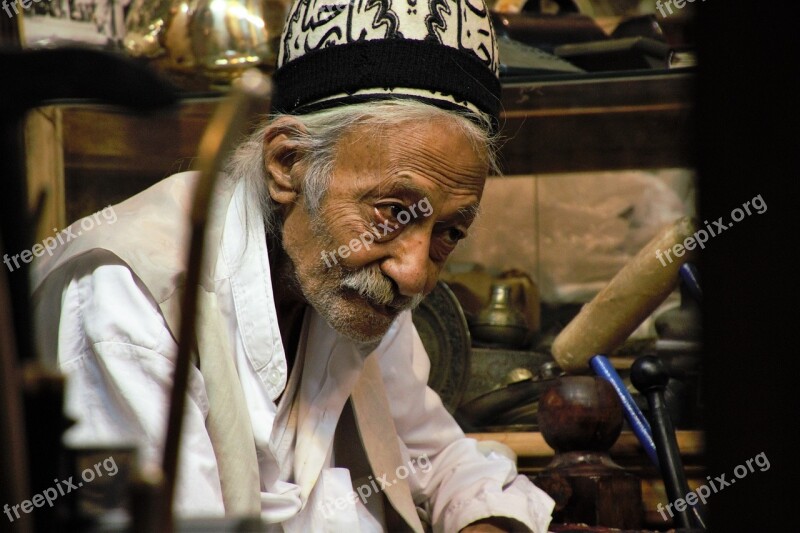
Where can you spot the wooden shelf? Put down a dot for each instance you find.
(533, 454)
(99, 154)
(531, 445)
(617, 123)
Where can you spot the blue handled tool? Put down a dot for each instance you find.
(639, 424)
(689, 276)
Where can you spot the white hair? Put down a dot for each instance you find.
(324, 129)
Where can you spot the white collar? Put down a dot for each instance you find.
(244, 252)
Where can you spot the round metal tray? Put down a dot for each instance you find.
(442, 326)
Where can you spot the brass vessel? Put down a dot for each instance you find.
(501, 323)
(204, 44)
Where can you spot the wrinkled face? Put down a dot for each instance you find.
(396, 207)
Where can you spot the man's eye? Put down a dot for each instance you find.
(445, 242)
(396, 209)
(393, 213)
(453, 235)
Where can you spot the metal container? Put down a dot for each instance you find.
(206, 43)
(500, 323)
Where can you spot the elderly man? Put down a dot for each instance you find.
(308, 404)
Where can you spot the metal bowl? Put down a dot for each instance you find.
(442, 327)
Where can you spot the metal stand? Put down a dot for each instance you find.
(650, 376)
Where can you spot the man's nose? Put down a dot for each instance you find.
(409, 264)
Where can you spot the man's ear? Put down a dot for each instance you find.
(282, 152)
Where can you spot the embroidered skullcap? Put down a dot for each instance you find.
(338, 52)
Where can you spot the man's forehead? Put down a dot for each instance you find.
(412, 188)
(413, 165)
(437, 141)
(401, 185)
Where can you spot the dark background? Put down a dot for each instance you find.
(747, 145)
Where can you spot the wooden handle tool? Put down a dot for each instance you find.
(634, 292)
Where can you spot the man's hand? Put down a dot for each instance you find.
(495, 524)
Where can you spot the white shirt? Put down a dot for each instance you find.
(104, 328)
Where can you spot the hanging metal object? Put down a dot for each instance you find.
(201, 44)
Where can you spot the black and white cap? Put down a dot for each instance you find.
(337, 52)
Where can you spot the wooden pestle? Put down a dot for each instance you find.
(634, 292)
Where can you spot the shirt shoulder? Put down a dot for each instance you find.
(92, 299)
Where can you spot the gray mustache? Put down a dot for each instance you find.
(373, 285)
